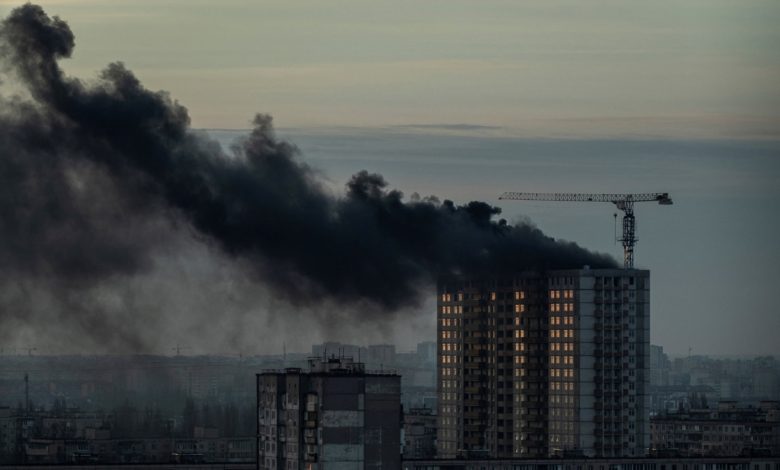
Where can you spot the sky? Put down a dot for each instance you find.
(544, 68)
(465, 100)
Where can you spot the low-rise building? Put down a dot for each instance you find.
(336, 415)
(419, 434)
(727, 430)
(626, 463)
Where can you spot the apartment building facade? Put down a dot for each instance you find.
(544, 364)
(335, 415)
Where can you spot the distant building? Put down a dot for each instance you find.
(35, 438)
(7, 435)
(334, 348)
(381, 355)
(659, 367)
(419, 434)
(544, 364)
(666, 463)
(728, 430)
(335, 415)
(417, 367)
(426, 351)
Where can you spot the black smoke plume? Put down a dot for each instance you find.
(92, 173)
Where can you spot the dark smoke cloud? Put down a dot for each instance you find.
(94, 177)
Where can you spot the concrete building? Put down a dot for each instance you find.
(336, 415)
(544, 364)
(659, 367)
(381, 356)
(419, 434)
(728, 430)
(670, 463)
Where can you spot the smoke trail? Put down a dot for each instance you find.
(93, 176)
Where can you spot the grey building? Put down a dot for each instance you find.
(544, 364)
(419, 434)
(727, 430)
(335, 415)
(625, 463)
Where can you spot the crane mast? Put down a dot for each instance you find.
(624, 203)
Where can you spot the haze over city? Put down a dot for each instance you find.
(457, 100)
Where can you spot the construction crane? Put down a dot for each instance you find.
(179, 349)
(624, 202)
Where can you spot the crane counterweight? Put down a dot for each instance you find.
(624, 203)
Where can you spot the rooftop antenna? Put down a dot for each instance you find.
(26, 392)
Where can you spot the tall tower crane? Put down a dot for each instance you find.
(624, 202)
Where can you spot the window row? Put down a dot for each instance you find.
(565, 294)
(562, 399)
(563, 307)
(562, 360)
(561, 333)
(568, 373)
(557, 320)
(447, 309)
(562, 386)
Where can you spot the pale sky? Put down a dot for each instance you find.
(541, 68)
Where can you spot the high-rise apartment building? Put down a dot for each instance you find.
(336, 415)
(544, 364)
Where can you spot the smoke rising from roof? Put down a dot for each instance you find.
(100, 180)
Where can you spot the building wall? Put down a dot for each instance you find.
(544, 364)
(745, 430)
(271, 388)
(734, 463)
(419, 434)
(336, 416)
(382, 422)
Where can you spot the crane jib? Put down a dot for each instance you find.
(624, 202)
